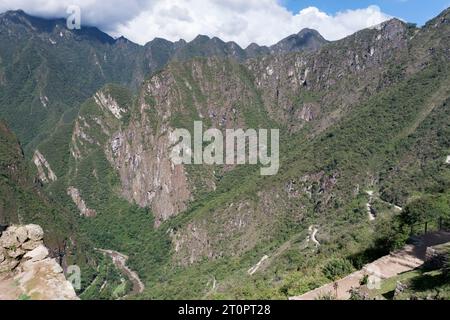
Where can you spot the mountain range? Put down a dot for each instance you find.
(364, 123)
(89, 59)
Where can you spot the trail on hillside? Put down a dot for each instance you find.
(371, 211)
(255, 268)
(120, 261)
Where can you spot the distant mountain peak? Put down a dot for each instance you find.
(305, 39)
(10, 12)
(201, 38)
(442, 18)
(14, 13)
(308, 30)
(122, 38)
(160, 40)
(49, 25)
(41, 24)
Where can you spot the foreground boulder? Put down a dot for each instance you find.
(26, 270)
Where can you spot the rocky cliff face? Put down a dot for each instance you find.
(174, 98)
(136, 151)
(164, 187)
(323, 85)
(26, 271)
(138, 146)
(284, 90)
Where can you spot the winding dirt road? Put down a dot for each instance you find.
(255, 268)
(120, 261)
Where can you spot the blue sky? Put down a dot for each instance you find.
(416, 11)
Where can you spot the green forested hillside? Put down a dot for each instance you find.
(364, 123)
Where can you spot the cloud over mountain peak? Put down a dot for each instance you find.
(260, 21)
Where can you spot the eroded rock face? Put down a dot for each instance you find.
(147, 174)
(74, 193)
(138, 150)
(301, 87)
(45, 172)
(26, 270)
(141, 152)
(106, 102)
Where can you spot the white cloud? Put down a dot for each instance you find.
(244, 21)
(106, 14)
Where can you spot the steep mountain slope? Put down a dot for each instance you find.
(368, 112)
(225, 94)
(48, 70)
(23, 200)
(354, 116)
(12, 167)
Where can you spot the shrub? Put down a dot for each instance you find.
(364, 280)
(337, 268)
